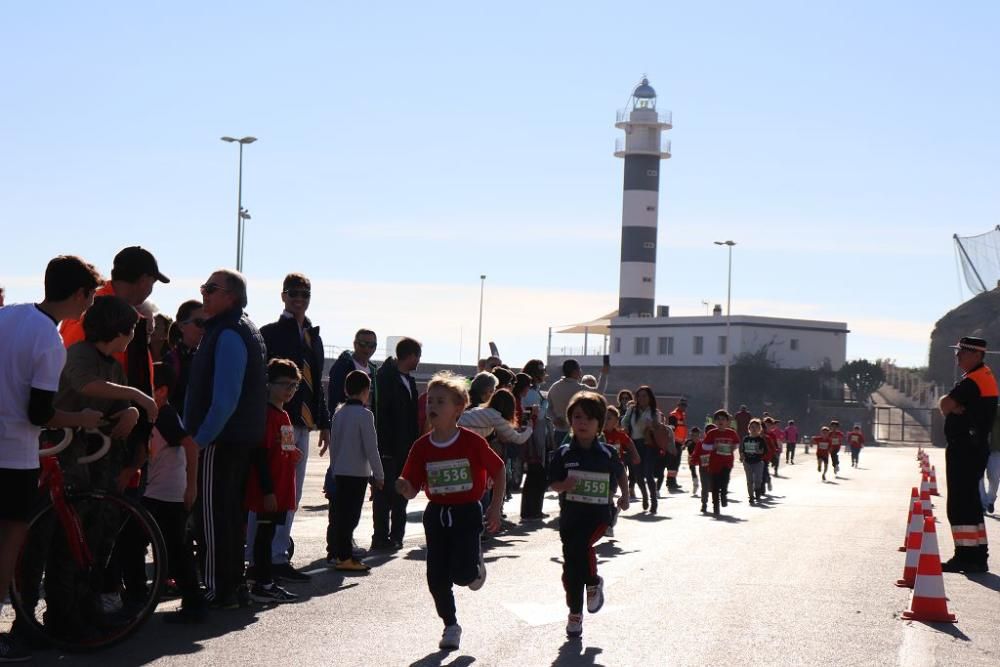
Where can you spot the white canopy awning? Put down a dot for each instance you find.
(601, 326)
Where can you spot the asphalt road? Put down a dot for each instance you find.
(806, 579)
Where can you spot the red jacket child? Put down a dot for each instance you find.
(724, 442)
(274, 468)
(856, 439)
(822, 443)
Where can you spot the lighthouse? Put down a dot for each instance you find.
(642, 147)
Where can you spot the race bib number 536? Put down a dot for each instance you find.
(452, 476)
(591, 487)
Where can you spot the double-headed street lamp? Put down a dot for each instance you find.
(729, 341)
(241, 213)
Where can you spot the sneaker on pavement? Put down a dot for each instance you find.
(11, 650)
(478, 582)
(574, 626)
(351, 565)
(609, 532)
(991, 508)
(451, 638)
(286, 572)
(595, 596)
(271, 594)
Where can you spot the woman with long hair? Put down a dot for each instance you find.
(183, 339)
(639, 422)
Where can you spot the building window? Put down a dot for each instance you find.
(699, 345)
(650, 208)
(648, 245)
(793, 345)
(723, 344)
(665, 345)
(642, 345)
(647, 279)
(618, 345)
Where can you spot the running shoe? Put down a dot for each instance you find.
(595, 596)
(478, 582)
(272, 594)
(11, 650)
(574, 626)
(286, 572)
(609, 532)
(991, 508)
(451, 638)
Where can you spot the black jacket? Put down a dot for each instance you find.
(283, 342)
(339, 372)
(395, 412)
(245, 427)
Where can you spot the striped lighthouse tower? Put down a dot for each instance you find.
(643, 147)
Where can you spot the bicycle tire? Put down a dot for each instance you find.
(43, 531)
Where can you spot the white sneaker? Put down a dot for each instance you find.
(595, 596)
(609, 532)
(451, 638)
(574, 626)
(111, 602)
(478, 582)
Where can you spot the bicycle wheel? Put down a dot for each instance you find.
(81, 603)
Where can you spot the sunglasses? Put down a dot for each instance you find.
(369, 346)
(197, 321)
(298, 293)
(212, 288)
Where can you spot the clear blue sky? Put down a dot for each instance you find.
(405, 149)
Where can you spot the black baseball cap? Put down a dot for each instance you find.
(970, 343)
(135, 261)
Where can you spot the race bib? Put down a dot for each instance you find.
(724, 448)
(452, 476)
(823, 445)
(592, 488)
(705, 458)
(751, 447)
(287, 438)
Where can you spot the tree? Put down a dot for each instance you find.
(862, 377)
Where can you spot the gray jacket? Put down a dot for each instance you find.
(353, 443)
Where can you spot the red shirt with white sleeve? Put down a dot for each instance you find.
(724, 441)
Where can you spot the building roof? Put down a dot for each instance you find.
(735, 320)
(601, 326)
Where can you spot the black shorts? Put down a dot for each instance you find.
(18, 494)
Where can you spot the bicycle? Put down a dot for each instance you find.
(69, 570)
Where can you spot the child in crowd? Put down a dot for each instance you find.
(752, 457)
(452, 464)
(703, 455)
(619, 442)
(856, 440)
(582, 473)
(778, 438)
(694, 437)
(836, 442)
(720, 463)
(354, 458)
(770, 448)
(271, 486)
(791, 439)
(822, 442)
(171, 489)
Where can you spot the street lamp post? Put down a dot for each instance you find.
(729, 342)
(479, 338)
(240, 213)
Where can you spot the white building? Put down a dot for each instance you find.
(702, 341)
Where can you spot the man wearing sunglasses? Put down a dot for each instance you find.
(365, 343)
(294, 337)
(225, 409)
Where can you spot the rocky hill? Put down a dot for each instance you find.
(979, 316)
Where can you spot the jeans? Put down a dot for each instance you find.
(790, 452)
(989, 496)
(282, 533)
(649, 463)
(755, 478)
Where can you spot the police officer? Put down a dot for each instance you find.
(969, 410)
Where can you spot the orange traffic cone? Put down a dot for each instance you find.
(914, 498)
(928, 602)
(925, 482)
(925, 465)
(933, 483)
(925, 502)
(913, 541)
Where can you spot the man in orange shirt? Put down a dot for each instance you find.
(673, 461)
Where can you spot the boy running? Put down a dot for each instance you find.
(791, 439)
(856, 440)
(703, 455)
(822, 442)
(836, 442)
(452, 464)
(752, 457)
(720, 464)
(582, 473)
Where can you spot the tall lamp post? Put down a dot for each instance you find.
(479, 338)
(240, 213)
(729, 342)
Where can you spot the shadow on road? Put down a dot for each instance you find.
(645, 518)
(946, 628)
(987, 579)
(573, 654)
(611, 549)
(437, 659)
(315, 508)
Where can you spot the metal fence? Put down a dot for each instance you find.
(909, 425)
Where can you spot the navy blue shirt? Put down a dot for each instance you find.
(596, 465)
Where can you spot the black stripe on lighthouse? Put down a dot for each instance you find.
(642, 172)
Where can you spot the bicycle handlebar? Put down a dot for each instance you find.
(68, 438)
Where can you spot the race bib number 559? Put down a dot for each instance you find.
(592, 488)
(452, 476)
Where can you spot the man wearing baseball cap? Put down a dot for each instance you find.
(969, 410)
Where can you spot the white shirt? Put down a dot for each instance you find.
(31, 355)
